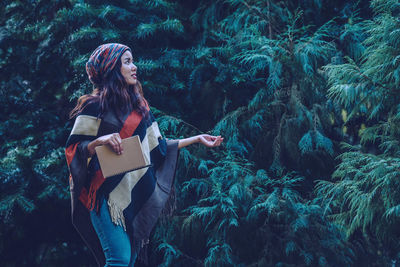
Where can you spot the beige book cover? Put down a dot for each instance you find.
(131, 159)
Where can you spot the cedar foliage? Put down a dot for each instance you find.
(363, 195)
(275, 78)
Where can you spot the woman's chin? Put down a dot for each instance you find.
(132, 82)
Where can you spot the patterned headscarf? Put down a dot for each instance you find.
(103, 60)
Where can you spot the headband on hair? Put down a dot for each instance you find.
(103, 60)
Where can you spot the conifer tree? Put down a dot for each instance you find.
(363, 196)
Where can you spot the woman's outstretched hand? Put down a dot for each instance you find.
(210, 140)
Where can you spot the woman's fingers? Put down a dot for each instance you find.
(211, 141)
(113, 140)
(219, 141)
(113, 145)
(116, 143)
(119, 143)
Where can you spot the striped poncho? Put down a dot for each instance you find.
(135, 199)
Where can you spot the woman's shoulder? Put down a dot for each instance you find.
(91, 108)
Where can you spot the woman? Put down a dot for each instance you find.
(116, 215)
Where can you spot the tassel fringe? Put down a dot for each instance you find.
(117, 214)
(167, 211)
(143, 252)
(170, 205)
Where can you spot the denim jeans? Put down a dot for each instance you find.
(114, 240)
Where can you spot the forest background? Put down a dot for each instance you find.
(305, 93)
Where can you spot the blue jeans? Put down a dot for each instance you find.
(114, 240)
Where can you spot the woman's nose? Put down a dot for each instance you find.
(134, 67)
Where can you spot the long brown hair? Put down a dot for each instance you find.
(114, 94)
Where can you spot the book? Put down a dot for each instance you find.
(131, 159)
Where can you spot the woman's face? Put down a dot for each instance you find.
(128, 69)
